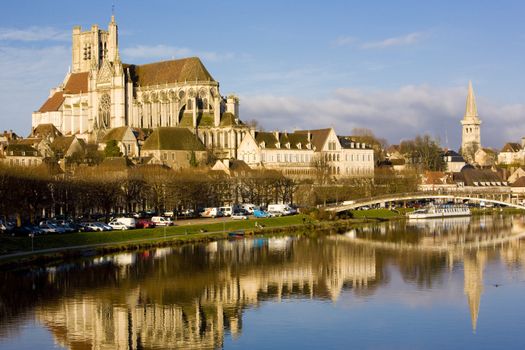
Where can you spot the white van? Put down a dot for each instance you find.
(226, 211)
(249, 207)
(161, 221)
(120, 224)
(282, 209)
(211, 212)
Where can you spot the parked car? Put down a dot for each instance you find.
(105, 227)
(116, 224)
(145, 223)
(51, 228)
(161, 221)
(93, 227)
(237, 215)
(187, 212)
(260, 214)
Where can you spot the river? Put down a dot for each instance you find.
(435, 284)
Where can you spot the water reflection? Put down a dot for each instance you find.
(194, 296)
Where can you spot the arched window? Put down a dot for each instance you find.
(104, 109)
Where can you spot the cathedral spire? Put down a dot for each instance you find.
(471, 111)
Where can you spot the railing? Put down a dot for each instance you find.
(484, 195)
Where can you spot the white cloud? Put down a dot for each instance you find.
(34, 34)
(157, 51)
(392, 114)
(404, 40)
(167, 52)
(27, 76)
(344, 41)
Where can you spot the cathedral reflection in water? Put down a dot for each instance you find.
(193, 296)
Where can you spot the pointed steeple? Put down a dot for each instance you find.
(471, 111)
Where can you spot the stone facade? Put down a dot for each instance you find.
(471, 135)
(295, 153)
(101, 93)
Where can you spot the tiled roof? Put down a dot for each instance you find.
(318, 137)
(181, 70)
(239, 165)
(480, 177)
(62, 143)
(45, 130)
(268, 138)
(20, 150)
(511, 147)
(519, 182)
(115, 163)
(53, 103)
(116, 134)
(228, 119)
(77, 83)
(176, 139)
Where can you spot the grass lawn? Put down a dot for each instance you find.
(182, 232)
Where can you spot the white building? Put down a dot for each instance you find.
(294, 153)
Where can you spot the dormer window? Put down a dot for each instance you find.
(262, 144)
(287, 145)
(299, 146)
(278, 145)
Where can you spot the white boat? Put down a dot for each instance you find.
(440, 211)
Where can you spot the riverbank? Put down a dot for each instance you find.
(15, 251)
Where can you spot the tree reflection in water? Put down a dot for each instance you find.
(193, 296)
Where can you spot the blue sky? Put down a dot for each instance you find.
(397, 67)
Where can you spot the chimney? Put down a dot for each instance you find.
(523, 142)
(276, 134)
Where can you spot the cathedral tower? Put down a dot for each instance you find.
(470, 138)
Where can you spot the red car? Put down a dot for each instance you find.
(145, 223)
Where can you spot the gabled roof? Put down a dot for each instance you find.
(116, 134)
(174, 71)
(511, 147)
(115, 164)
(228, 119)
(63, 143)
(268, 138)
(45, 130)
(173, 139)
(520, 182)
(318, 137)
(53, 103)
